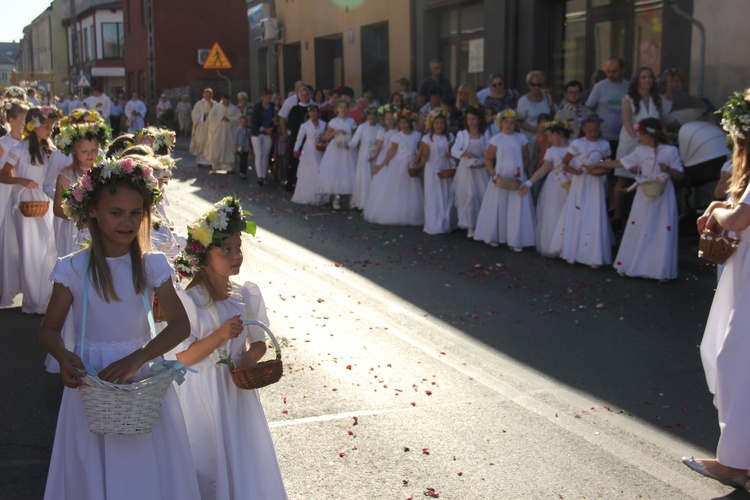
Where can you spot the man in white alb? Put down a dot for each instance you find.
(222, 122)
(199, 139)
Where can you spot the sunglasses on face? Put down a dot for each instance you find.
(535, 85)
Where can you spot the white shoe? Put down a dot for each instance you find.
(337, 202)
(494, 244)
(470, 233)
(516, 249)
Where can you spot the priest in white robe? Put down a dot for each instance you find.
(199, 139)
(222, 122)
(101, 103)
(135, 112)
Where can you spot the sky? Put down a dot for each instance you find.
(15, 14)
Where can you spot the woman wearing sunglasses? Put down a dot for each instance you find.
(536, 102)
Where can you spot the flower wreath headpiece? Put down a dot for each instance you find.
(507, 114)
(91, 130)
(16, 92)
(81, 115)
(590, 118)
(212, 228)
(433, 115)
(40, 115)
(160, 139)
(168, 164)
(76, 199)
(735, 114)
(557, 126)
(8, 104)
(386, 108)
(639, 127)
(406, 113)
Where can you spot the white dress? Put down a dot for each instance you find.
(66, 233)
(157, 465)
(7, 142)
(627, 144)
(27, 263)
(583, 233)
(551, 201)
(229, 435)
(306, 190)
(384, 136)
(505, 217)
(366, 136)
(649, 245)
(724, 353)
(338, 162)
(395, 197)
(439, 212)
(471, 178)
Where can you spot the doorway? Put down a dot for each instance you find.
(329, 61)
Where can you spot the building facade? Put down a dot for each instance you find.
(8, 53)
(96, 44)
(167, 41)
(42, 55)
(326, 43)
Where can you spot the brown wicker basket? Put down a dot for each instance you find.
(321, 145)
(264, 373)
(506, 183)
(33, 208)
(414, 171)
(716, 247)
(447, 174)
(598, 171)
(653, 188)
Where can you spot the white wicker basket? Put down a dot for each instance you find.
(125, 409)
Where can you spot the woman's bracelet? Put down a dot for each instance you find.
(528, 183)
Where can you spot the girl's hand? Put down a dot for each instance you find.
(637, 170)
(663, 167)
(297, 154)
(706, 220)
(122, 370)
(231, 328)
(523, 190)
(28, 183)
(71, 370)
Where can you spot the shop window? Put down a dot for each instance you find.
(647, 36)
(461, 44)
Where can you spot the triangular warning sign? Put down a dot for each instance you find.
(217, 59)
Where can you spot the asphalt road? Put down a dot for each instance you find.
(417, 362)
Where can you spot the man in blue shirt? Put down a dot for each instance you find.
(435, 79)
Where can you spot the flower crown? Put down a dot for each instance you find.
(386, 108)
(106, 171)
(160, 139)
(8, 104)
(639, 127)
(40, 115)
(168, 164)
(406, 113)
(433, 116)
(506, 114)
(590, 118)
(81, 115)
(557, 126)
(72, 132)
(212, 228)
(735, 114)
(16, 92)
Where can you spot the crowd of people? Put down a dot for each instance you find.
(505, 166)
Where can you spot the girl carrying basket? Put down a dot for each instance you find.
(109, 287)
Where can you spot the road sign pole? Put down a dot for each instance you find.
(229, 83)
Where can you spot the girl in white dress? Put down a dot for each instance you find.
(583, 233)
(231, 442)
(649, 246)
(25, 167)
(312, 131)
(439, 212)
(726, 341)
(118, 275)
(82, 142)
(337, 165)
(366, 138)
(555, 189)
(506, 217)
(396, 197)
(471, 178)
(15, 114)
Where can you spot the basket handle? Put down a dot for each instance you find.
(260, 324)
(24, 188)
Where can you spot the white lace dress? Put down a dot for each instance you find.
(551, 201)
(338, 163)
(439, 212)
(471, 178)
(365, 137)
(229, 435)
(306, 189)
(157, 465)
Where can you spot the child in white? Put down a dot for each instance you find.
(555, 189)
(306, 190)
(583, 233)
(649, 245)
(28, 270)
(396, 197)
(439, 212)
(15, 112)
(506, 217)
(156, 465)
(338, 162)
(231, 442)
(471, 178)
(366, 138)
(383, 140)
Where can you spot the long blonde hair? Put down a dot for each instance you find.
(101, 276)
(740, 167)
